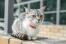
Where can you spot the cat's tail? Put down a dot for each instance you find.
(20, 36)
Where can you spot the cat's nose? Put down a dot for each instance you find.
(38, 20)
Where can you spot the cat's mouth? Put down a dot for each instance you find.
(32, 25)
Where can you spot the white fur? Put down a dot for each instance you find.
(22, 26)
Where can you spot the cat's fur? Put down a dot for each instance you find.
(29, 25)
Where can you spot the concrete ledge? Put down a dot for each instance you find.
(15, 41)
(4, 40)
(9, 40)
(53, 31)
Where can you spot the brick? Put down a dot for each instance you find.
(15, 41)
(4, 39)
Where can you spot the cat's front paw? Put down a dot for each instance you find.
(29, 38)
(34, 38)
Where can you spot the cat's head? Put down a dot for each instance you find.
(34, 15)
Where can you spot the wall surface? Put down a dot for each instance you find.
(49, 34)
(53, 31)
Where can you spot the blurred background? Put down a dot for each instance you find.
(55, 11)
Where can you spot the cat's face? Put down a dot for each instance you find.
(35, 16)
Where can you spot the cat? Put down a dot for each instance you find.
(27, 26)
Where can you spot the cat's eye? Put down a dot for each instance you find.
(33, 16)
(41, 16)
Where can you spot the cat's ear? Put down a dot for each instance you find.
(42, 9)
(26, 10)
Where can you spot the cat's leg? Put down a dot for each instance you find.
(29, 38)
(34, 37)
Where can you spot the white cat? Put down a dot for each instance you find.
(29, 25)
